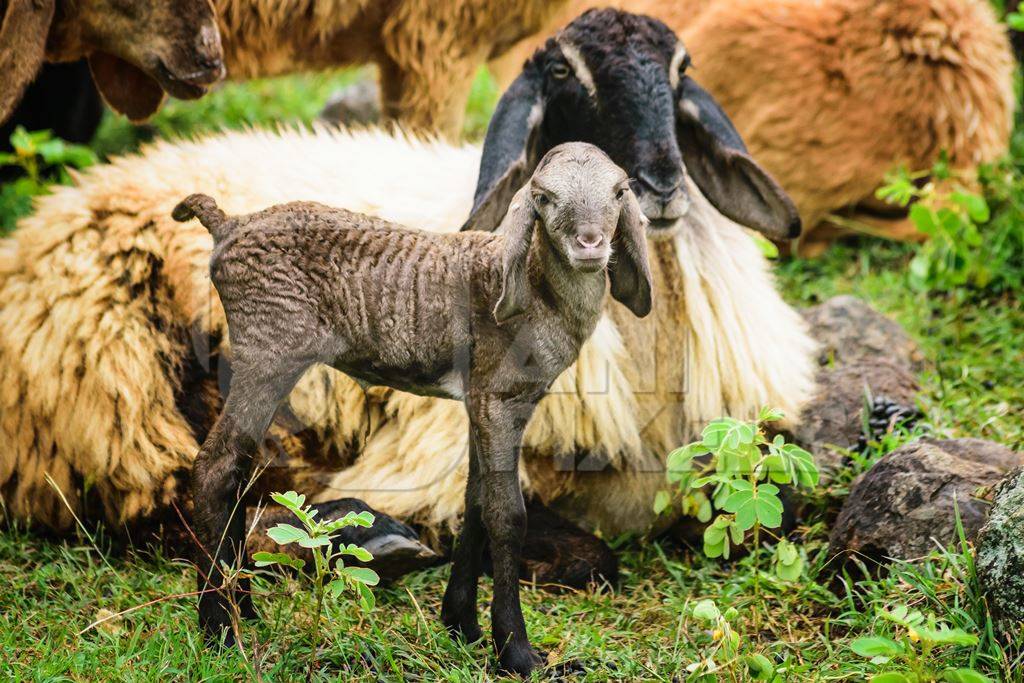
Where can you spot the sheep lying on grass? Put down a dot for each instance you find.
(112, 338)
(488, 319)
(137, 49)
(831, 95)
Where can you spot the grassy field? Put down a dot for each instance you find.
(641, 629)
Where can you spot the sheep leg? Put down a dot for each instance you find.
(499, 426)
(219, 476)
(458, 610)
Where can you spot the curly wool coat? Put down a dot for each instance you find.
(108, 308)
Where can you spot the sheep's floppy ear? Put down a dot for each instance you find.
(511, 150)
(629, 270)
(718, 162)
(23, 32)
(125, 87)
(517, 227)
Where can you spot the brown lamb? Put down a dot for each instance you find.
(490, 319)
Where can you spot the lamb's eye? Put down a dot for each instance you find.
(560, 70)
(542, 199)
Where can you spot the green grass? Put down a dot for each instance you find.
(637, 630)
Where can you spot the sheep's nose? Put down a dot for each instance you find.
(662, 198)
(590, 240)
(209, 55)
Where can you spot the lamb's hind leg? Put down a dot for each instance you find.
(219, 478)
(458, 610)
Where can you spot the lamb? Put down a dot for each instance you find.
(137, 49)
(832, 95)
(488, 319)
(113, 338)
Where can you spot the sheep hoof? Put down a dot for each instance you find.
(467, 631)
(520, 659)
(395, 555)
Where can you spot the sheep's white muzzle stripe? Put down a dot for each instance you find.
(579, 65)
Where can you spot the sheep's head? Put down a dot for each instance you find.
(619, 81)
(589, 220)
(137, 49)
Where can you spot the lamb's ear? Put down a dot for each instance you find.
(629, 270)
(512, 149)
(24, 28)
(517, 227)
(125, 87)
(718, 162)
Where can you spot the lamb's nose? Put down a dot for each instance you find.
(590, 240)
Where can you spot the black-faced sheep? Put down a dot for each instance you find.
(109, 319)
(832, 95)
(487, 319)
(137, 49)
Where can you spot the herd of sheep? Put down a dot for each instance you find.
(115, 347)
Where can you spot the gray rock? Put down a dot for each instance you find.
(850, 331)
(1000, 554)
(903, 507)
(833, 420)
(354, 105)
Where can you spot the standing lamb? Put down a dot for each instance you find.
(113, 338)
(831, 95)
(488, 319)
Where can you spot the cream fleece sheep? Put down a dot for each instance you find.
(830, 95)
(106, 299)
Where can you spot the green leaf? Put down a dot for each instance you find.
(290, 499)
(265, 559)
(760, 667)
(760, 505)
(876, 646)
(924, 219)
(315, 541)
(364, 519)
(358, 552)
(362, 575)
(965, 676)
(706, 611)
(944, 635)
(366, 597)
(768, 414)
(703, 508)
(1015, 20)
(680, 461)
(286, 533)
(662, 499)
(728, 433)
(975, 205)
(767, 247)
(336, 587)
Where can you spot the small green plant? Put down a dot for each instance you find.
(735, 468)
(907, 658)
(969, 244)
(726, 649)
(319, 537)
(43, 160)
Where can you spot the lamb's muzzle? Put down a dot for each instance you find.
(489, 318)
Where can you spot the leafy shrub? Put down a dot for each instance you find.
(908, 658)
(42, 160)
(741, 467)
(319, 537)
(975, 240)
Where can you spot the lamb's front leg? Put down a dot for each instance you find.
(499, 426)
(219, 477)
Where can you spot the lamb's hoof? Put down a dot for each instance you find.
(395, 555)
(521, 660)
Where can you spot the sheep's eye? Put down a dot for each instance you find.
(620, 193)
(560, 70)
(542, 199)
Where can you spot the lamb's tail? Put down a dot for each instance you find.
(204, 208)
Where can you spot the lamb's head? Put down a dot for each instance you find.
(137, 49)
(620, 81)
(589, 220)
